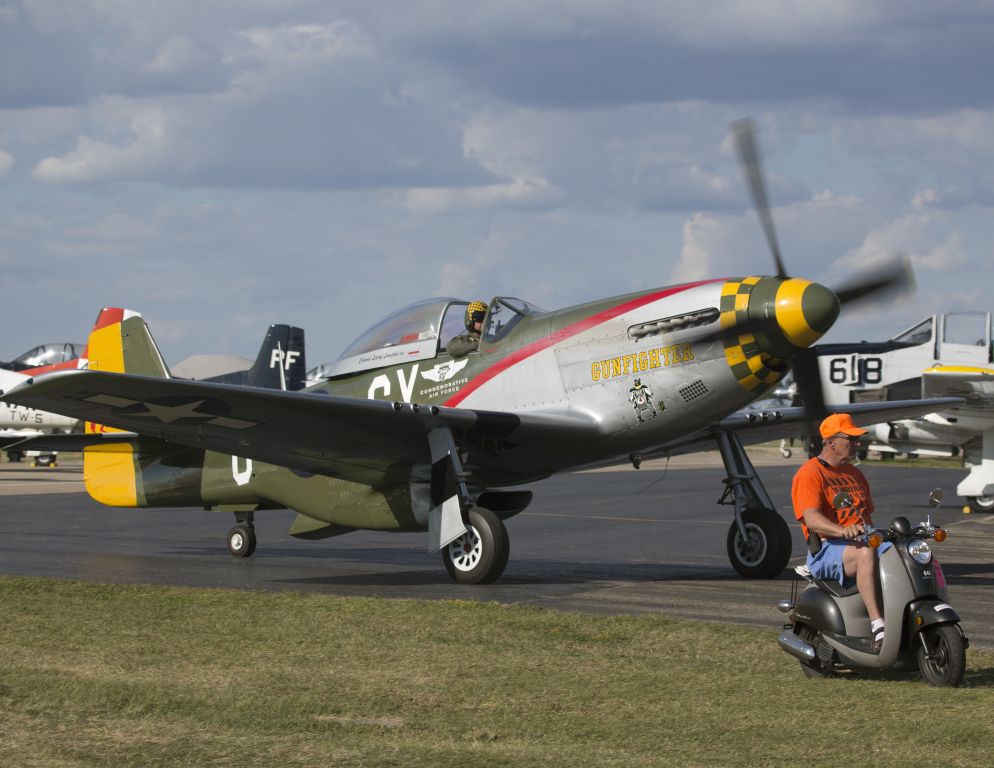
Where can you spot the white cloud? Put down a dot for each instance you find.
(725, 21)
(177, 55)
(810, 233)
(308, 43)
(704, 237)
(144, 150)
(520, 194)
(925, 238)
(6, 162)
(955, 145)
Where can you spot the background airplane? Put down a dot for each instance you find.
(19, 422)
(46, 357)
(280, 364)
(944, 355)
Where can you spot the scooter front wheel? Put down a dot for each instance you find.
(945, 661)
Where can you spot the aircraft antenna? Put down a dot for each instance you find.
(279, 348)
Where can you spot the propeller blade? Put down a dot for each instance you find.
(894, 277)
(745, 143)
(807, 376)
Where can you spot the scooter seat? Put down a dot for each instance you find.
(832, 586)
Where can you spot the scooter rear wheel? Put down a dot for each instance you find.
(947, 662)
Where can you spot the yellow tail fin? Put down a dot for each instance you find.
(119, 343)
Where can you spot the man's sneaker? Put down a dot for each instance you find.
(878, 640)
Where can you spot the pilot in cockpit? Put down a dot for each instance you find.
(468, 342)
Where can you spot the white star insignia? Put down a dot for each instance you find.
(167, 414)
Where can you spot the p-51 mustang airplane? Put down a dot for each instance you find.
(405, 436)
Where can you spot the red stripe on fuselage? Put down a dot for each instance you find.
(564, 333)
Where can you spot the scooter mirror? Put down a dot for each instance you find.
(842, 499)
(935, 497)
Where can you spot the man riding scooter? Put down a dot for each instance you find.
(831, 533)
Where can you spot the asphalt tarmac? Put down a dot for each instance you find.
(623, 541)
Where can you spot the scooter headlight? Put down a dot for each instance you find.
(920, 551)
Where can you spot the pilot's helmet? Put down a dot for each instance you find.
(474, 313)
(638, 382)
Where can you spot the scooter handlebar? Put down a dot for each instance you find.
(872, 538)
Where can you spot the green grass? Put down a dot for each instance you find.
(149, 676)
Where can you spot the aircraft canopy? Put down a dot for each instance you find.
(47, 354)
(420, 331)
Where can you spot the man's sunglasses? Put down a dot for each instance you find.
(846, 437)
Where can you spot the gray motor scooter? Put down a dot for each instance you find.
(829, 629)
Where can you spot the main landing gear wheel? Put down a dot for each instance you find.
(765, 551)
(241, 540)
(479, 556)
(947, 661)
(981, 503)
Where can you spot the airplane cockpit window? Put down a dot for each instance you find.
(454, 323)
(966, 328)
(49, 354)
(919, 334)
(406, 335)
(505, 313)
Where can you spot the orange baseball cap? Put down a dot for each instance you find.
(840, 422)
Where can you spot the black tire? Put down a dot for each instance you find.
(14, 456)
(45, 460)
(948, 661)
(981, 503)
(480, 555)
(241, 540)
(812, 669)
(767, 551)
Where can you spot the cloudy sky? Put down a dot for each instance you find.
(221, 166)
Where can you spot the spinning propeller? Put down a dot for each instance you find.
(799, 312)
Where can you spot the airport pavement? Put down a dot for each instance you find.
(621, 541)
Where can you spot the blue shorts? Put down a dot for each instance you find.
(827, 564)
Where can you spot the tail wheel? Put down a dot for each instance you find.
(765, 550)
(981, 503)
(945, 665)
(817, 667)
(241, 540)
(479, 556)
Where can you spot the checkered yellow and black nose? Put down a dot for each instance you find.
(767, 319)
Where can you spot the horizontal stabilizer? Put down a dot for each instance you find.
(73, 442)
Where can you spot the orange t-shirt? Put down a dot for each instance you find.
(816, 484)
